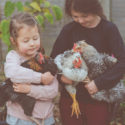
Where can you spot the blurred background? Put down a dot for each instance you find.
(114, 10)
(51, 26)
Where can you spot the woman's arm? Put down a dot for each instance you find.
(63, 41)
(112, 76)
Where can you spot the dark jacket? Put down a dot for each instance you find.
(106, 38)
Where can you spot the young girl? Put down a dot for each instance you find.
(90, 24)
(25, 36)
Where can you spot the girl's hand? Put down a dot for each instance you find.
(66, 80)
(91, 87)
(22, 88)
(47, 78)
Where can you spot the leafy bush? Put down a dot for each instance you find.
(42, 9)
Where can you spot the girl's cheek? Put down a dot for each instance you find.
(24, 50)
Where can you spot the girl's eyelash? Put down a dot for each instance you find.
(75, 17)
(26, 41)
(35, 38)
(85, 16)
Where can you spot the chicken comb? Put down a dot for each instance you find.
(76, 48)
(77, 62)
(40, 58)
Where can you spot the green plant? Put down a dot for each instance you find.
(42, 9)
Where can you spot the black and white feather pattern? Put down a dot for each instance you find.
(97, 64)
(64, 63)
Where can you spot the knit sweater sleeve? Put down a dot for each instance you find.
(44, 92)
(63, 41)
(17, 73)
(112, 76)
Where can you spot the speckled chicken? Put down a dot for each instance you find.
(97, 64)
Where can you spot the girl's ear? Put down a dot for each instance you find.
(12, 41)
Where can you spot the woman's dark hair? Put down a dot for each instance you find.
(84, 6)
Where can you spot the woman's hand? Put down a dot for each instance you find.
(91, 87)
(22, 88)
(66, 80)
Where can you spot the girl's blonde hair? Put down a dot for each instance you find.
(17, 22)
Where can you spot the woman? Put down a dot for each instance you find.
(90, 24)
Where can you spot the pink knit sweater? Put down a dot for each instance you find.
(43, 94)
